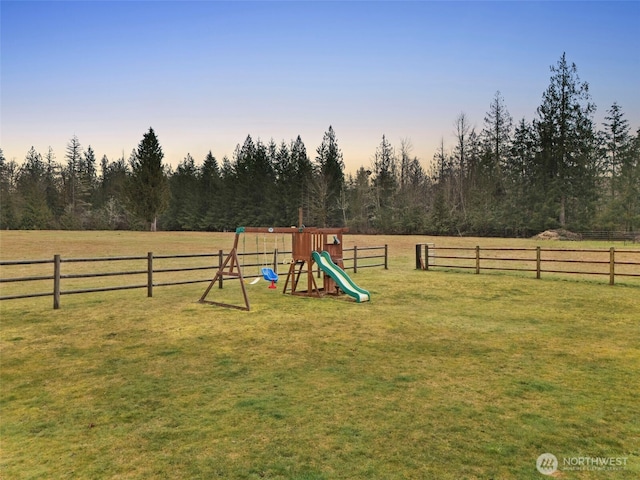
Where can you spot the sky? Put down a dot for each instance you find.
(205, 74)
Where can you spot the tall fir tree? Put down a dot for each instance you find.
(182, 212)
(328, 182)
(567, 157)
(32, 187)
(148, 189)
(211, 194)
(616, 144)
(496, 136)
(70, 175)
(385, 184)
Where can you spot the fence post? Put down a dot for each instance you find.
(477, 258)
(386, 256)
(275, 260)
(418, 253)
(612, 266)
(538, 262)
(220, 260)
(149, 274)
(56, 282)
(426, 257)
(355, 259)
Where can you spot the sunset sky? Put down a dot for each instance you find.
(205, 74)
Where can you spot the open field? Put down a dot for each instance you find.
(443, 375)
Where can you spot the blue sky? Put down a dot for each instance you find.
(205, 74)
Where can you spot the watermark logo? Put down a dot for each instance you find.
(547, 464)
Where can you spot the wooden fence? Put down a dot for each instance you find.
(146, 267)
(610, 236)
(598, 262)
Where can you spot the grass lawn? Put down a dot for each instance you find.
(441, 376)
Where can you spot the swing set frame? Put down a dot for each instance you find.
(305, 240)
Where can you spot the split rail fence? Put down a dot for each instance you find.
(612, 263)
(172, 272)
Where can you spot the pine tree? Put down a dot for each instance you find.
(183, 210)
(70, 175)
(212, 199)
(31, 187)
(385, 182)
(522, 193)
(617, 143)
(630, 185)
(8, 218)
(148, 190)
(567, 156)
(496, 136)
(328, 182)
(54, 190)
(302, 178)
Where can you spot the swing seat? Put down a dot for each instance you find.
(270, 276)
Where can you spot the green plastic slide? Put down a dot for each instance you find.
(340, 277)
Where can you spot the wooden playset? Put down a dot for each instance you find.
(307, 244)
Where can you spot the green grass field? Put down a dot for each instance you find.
(442, 375)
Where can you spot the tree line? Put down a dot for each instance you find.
(507, 178)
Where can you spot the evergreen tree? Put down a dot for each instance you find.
(110, 194)
(616, 143)
(629, 198)
(285, 182)
(183, 210)
(522, 215)
(228, 218)
(413, 195)
(442, 217)
(54, 187)
(212, 199)
(328, 182)
(31, 187)
(254, 192)
(148, 190)
(72, 192)
(87, 174)
(70, 174)
(496, 137)
(567, 158)
(361, 201)
(8, 215)
(302, 178)
(462, 166)
(385, 183)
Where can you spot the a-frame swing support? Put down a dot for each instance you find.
(229, 268)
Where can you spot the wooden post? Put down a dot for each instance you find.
(538, 262)
(56, 282)
(386, 256)
(220, 260)
(477, 259)
(612, 266)
(418, 252)
(426, 257)
(355, 259)
(149, 274)
(275, 260)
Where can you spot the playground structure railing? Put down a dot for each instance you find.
(48, 277)
(610, 262)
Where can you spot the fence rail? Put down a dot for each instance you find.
(611, 236)
(75, 281)
(604, 262)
